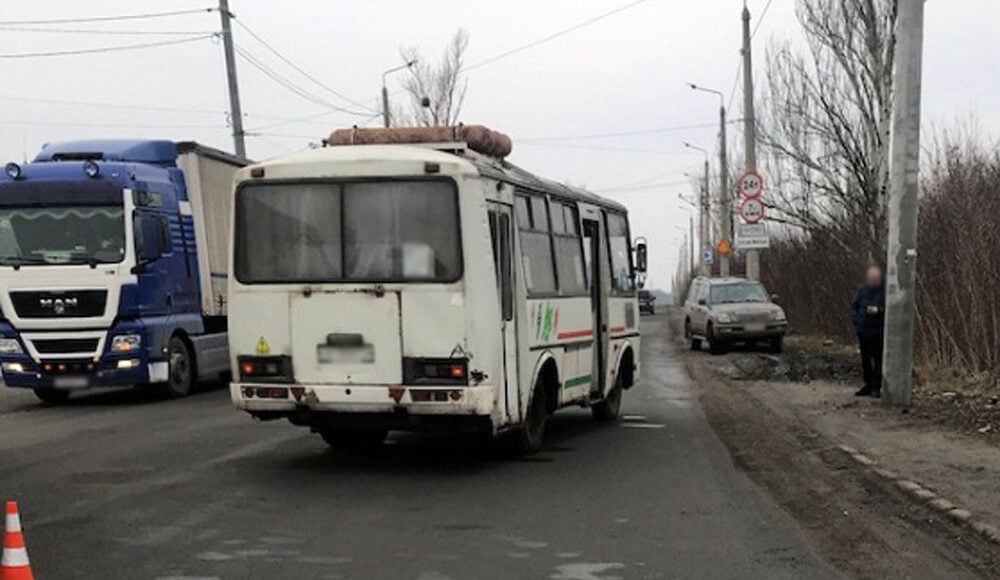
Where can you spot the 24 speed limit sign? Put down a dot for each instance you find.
(752, 210)
(751, 185)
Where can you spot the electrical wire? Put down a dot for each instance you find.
(109, 125)
(644, 187)
(554, 35)
(104, 32)
(291, 86)
(621, 133)
(296, 67)
(105, 48)
(760, 19)
(142, 16)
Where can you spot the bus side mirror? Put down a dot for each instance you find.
(640, 256)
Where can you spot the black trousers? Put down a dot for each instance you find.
(871, 359)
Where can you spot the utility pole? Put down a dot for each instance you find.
(749, 128)
(693, 261)
(904, 171)
(385, 104)
(706, 217)
(235, 111)
(725, 193)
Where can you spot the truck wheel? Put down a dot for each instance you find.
(608, 410)
(180, 375)
(52, 396)
(527, 440)
(353, 440)
(715, 344)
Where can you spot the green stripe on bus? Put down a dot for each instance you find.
(576, 382)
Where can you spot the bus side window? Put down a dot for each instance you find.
(506, 278)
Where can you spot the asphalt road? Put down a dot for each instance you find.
(120, 485)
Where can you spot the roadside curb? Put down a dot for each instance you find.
(925, 496)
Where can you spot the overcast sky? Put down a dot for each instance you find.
(623, 73)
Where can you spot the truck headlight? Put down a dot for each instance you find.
(725, 318)
(10, 346)
(126, 342)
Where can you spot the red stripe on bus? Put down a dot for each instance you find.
(575, 334)
(618, 329)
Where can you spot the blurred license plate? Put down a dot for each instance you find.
(70, 382)
(755, 328)
(346, 355)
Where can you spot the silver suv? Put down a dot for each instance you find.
(723, 311)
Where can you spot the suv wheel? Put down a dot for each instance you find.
(715, 344)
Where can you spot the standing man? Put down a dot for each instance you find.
(868, 310)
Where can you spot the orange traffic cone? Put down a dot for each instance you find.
(14, 564)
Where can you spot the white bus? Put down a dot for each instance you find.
(422, 286)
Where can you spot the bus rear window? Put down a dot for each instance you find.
(384, 231)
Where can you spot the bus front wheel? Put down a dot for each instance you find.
(527, 440)
(608, 409)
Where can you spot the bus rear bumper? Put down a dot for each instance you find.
(285, 400)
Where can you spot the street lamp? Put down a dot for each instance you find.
(725, 195)
(385, 91)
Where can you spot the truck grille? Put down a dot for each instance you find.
(66, 304)
(65, 345)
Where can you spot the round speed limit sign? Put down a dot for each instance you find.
(752, 210)
(751, 185)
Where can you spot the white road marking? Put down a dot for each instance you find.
(643, 425)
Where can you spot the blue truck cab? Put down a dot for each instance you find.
(113, 258)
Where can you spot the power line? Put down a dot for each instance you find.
(554, 35)
(122, 106)
(291, 86)
(296, 67)
(105, 48)
(109, 125)
(104, 32)
(760, 19)
(623, 133)
(644, 187)
(558, 145)
(142, 16)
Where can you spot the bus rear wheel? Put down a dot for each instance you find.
(609, 409)
(527, 440)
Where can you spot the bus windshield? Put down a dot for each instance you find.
(370, 231)
(62, 235)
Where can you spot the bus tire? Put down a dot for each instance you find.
(527, 440)
(181, 371)
(609, 408)
(353, 440)
(52, 396)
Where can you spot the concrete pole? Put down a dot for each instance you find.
(235, 111)
(904, 171)
(749, 129)
(693, 259)
(725, 193)
(705, 204)
(385, 104)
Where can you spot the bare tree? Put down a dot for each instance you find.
(436, 92)
(826, 119)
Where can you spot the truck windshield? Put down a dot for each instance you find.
(386, 231)
(62, 235)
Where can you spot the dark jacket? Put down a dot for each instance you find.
(869, 323)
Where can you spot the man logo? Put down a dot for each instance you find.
(58, 305)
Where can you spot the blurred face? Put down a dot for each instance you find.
(873, 277)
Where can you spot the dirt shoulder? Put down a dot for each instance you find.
(783, 418)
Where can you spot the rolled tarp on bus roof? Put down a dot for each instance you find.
(477, 137)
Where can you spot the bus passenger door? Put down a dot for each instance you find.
(503, 249)
(598, 302)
